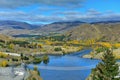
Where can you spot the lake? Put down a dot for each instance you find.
(68, 67)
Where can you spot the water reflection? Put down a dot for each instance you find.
(68, 67)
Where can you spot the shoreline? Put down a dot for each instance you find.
(35, 55)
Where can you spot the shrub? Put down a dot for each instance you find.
(4, 63)
(58, 49)
(37, 60)
(45, 59)
(14, 59)
(36, 69)
(25, 58)
(3, 55)
(101, 49)
(34, 78)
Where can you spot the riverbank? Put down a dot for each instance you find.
(34, 75)
(9, 58)
(94, 55)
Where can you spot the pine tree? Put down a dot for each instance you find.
(107, 69)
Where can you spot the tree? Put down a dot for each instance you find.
(21, 55)
(45, 59)
(37, 60)
(36, 69)
(107, 69)
(11, 46)
(4, 63)
(58, 49)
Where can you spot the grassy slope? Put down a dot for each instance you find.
(104, 32)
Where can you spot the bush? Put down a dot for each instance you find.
(14, 59)
(34, 78)
(45, 59)
(58, 49)
(3, 55)
(36, 69)
(101, 49)
(37, 60)
(4, 63)
(25, 58)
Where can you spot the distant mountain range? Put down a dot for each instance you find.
(59, 26)
(104, 30)
(16, 25)
(105, 22)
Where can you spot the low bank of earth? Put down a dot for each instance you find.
(94, 55)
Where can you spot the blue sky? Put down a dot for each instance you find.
(47, 11)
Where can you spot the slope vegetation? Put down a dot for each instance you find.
(101, 31)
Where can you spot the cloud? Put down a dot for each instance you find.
(90, 15)
(21, 3)
(67, 13)
(51, 11)
(93, 12)
(66, 16)
(22, 16)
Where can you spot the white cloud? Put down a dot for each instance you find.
(68, 16)
(20, 3)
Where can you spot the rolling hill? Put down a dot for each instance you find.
(5, 38)
(102, 31)
(15, 25)
(59, 26)
(8, 27)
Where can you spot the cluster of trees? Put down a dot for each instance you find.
(18, 42)
(3, 55)
(116, 45)
(58, 49)
(101, 49)
(107, 69)
(37, 60)
(104, 44)
(58, 38)
(15, 59)
(54, 38)
(34, 45)
(44, 59)
(24, 44)
(23, 57)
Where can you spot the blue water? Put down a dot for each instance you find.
(68, 67)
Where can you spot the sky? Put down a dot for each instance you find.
(48, 11)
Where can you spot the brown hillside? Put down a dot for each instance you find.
(5, 38)
(104, 32)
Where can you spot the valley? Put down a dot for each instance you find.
(38, 47)
(59, 40)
